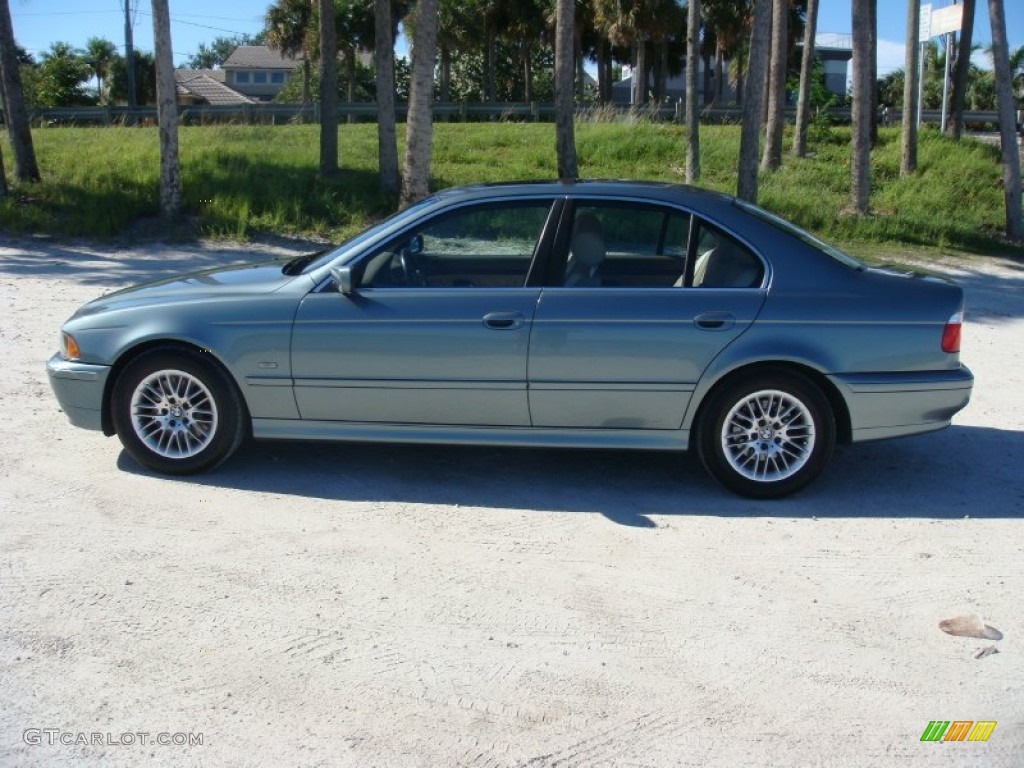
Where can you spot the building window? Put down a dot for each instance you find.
(241, 77)
(259, 77)
(277, 77)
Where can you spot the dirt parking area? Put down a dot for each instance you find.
(394, 606)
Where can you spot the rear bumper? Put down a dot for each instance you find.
(885, 405)
(79, 389)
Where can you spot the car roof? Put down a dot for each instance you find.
(611, 188)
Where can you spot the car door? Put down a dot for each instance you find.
(437, 328)
(622, 334)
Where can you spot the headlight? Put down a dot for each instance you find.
(69, 347)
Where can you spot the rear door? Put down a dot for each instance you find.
(624, 347)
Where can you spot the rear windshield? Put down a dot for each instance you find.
(800, 234)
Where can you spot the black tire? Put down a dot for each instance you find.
(782, 434)
(176, 412)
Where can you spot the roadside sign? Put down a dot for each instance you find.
(946, 20)
(926, 24)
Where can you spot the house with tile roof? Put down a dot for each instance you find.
(258, 71)
(206, 86)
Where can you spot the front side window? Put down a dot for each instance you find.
(488, 246)
(626, 246)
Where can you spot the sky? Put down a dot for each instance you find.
(38, 23)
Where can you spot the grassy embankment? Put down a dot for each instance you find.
(242, 180)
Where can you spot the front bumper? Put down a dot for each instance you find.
(79, 389)
(886, 405)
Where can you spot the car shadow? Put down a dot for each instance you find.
(960, 472)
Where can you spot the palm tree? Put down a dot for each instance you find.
(753, 101)
(860, 151)
(692, 115)
(100, 53)
(961, 72)
(328, 89)
(167, 113)
(803, 104)
(290, 29)
(565, 69)
(3, 176)
(419, 128)
(16, 117)
(354, 28)
(1007, 121)
(908, 153)
(772, 157)
(384, 61)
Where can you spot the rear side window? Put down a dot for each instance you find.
(723, 262)
(626, 246)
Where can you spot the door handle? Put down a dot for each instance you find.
(715, 321)
(504, 321)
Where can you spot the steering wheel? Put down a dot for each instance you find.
(410, 269)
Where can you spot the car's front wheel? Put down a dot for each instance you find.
(176, 412)
(767, 436)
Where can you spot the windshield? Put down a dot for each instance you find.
(398, 218)
(800, 234)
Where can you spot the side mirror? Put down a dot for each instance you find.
(344, 279)
(415, 245)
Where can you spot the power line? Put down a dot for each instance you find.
(202, 26)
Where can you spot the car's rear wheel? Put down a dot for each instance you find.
(176, 412)
(767, 436)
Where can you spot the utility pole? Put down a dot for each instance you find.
(129, 53)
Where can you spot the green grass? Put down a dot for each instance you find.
(240, 181)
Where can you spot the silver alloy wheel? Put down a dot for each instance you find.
(173, 414)
(768, 436)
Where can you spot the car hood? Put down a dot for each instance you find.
(218, 282)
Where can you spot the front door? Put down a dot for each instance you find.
(437, 331)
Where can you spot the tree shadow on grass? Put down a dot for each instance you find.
(961, 471)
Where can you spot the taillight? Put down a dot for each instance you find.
(951, 333)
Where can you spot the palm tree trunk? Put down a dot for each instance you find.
(753, 99)
(306, 78)
(350, 78)
(873, 65)
(328, 91)
(692, 112)
(581, 73)
(384, 64)
(527, 73)
(489, 63)
(1007, 121)
(803, 104)
(167, 113)
(602, 75)
(565, 132)
(719, 74)
(860, 151)
(3, 176)
(446, 74)
(963, 68)
(908, 155)
(709, 91)
(772, 158)
(16, 117)
(640, 75)
(419, 128)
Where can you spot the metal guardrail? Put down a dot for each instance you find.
(274, 113)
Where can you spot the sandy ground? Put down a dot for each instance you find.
(386, 606)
